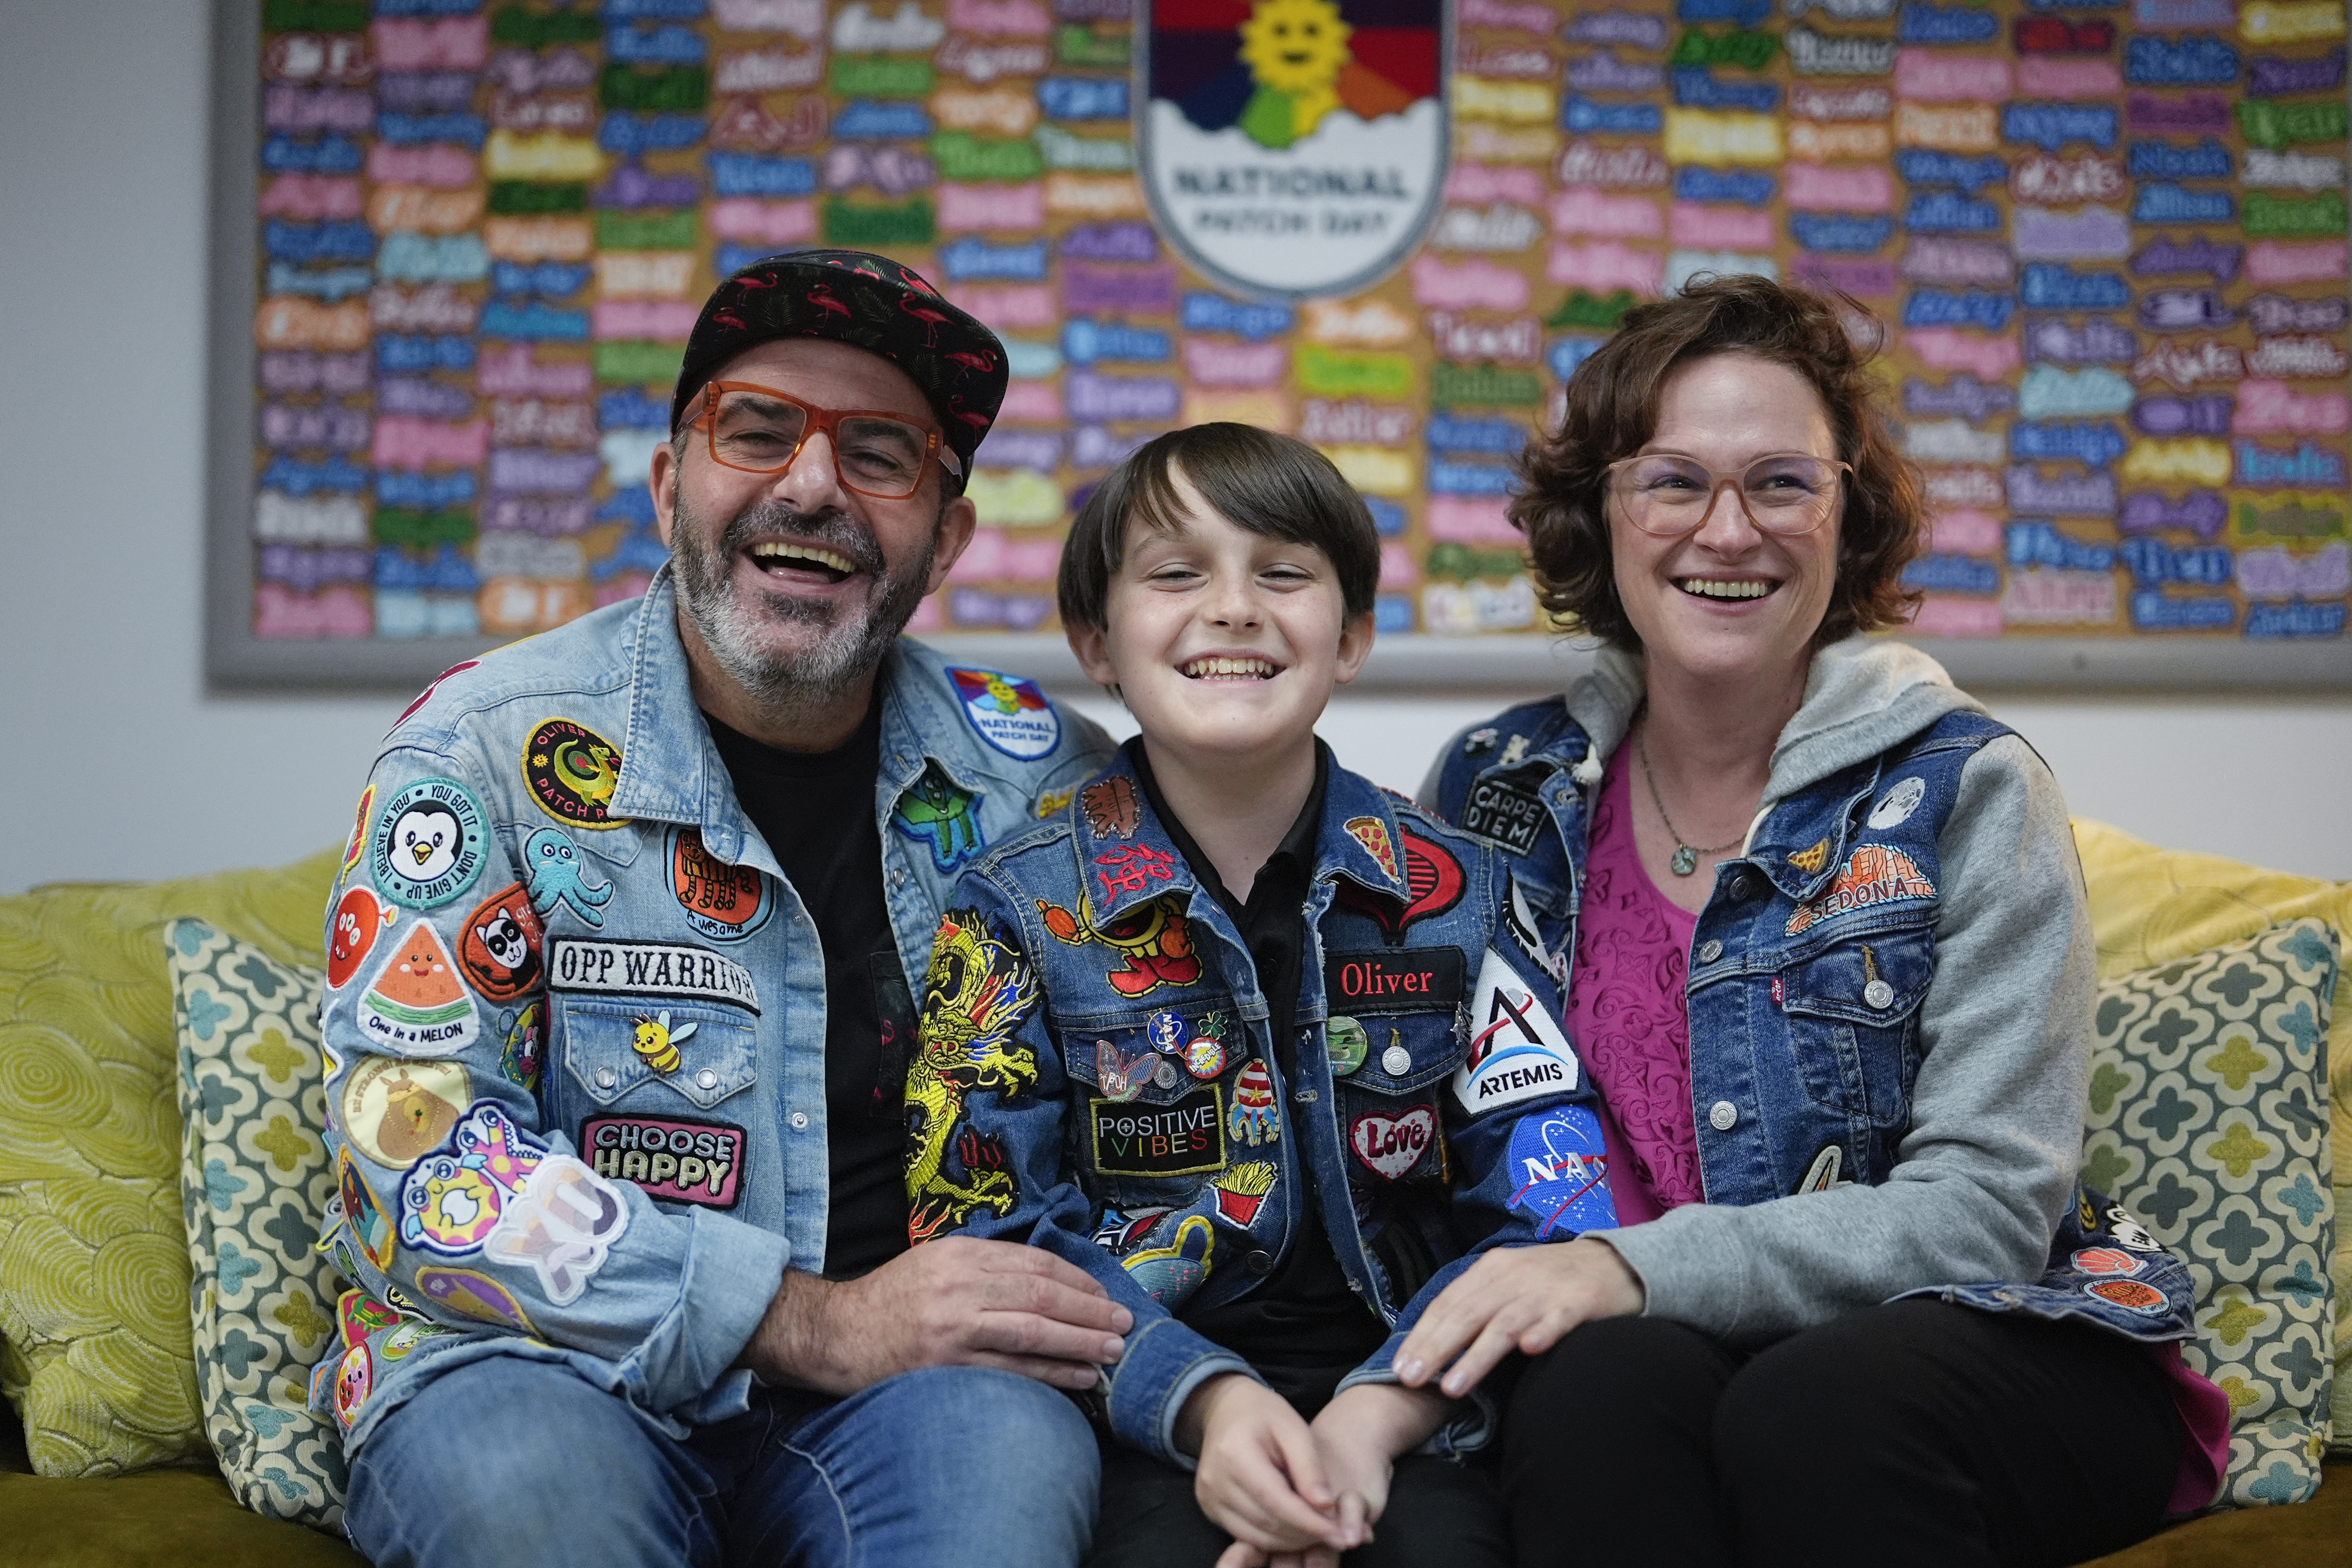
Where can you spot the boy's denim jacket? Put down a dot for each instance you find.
(1808, 969)
(1097, 1076)
(523, 1168)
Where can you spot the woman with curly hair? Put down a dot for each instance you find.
(1829, 963)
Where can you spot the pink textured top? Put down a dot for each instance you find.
(1629, 1016)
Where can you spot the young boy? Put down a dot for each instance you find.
(1267, 1051)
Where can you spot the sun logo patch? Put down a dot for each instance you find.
(1010, 713)
(571, 771)
(1280, 96)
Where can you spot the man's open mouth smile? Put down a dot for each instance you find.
(778, 556)
(1226, 668)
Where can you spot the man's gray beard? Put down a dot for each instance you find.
(779, 680)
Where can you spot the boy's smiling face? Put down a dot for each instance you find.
(1224, 643)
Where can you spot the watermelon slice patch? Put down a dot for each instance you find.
(417, 1001)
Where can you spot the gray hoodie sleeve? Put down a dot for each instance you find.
(1997, 1112)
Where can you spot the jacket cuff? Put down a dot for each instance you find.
(1480, 1419)
(1164, 1363)
(732, 1272)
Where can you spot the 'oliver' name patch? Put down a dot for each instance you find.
(1395, 980)
(1186, 1138)
(649, 969)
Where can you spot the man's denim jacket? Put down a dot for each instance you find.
(575, 1020)
(1807, 970)
(1097, 1078)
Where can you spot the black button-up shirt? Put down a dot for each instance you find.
(1304, 1328)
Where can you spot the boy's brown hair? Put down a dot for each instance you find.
(1270, 484)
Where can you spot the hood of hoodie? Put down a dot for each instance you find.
(1862, 696)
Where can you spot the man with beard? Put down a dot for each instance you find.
(655, 1303)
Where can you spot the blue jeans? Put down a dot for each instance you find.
(509, 1462)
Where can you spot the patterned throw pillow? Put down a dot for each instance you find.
(2152, 906)
(2209, 1120)
(94, 1347)
(254, 1179)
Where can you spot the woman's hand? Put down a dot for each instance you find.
(1260, 1479)
(1515, 1297)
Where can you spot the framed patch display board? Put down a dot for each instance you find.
(460, 245)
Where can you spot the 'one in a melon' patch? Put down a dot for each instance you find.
(417, 1001)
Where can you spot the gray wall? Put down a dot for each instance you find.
(121, 764)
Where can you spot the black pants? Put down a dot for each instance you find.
(1439, 1513)
(1918, 1432)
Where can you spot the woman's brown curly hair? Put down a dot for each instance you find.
(1612, 410)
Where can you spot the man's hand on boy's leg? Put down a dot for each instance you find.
(1260, 1479)
(956, 1302)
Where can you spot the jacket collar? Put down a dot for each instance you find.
(1125, 856)
(670, 767)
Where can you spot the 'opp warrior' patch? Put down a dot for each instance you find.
(1395, 980)
(649, 969)
(723, 902)
(675, 1162)
(1506, 810)
(571, 771)
(429, 844)
(1186, 1138)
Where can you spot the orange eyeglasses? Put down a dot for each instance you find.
(759, 430)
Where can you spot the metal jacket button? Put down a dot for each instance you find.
(1723, 1116)
(800, 1121)
(1396, 1061)
(1879, 995)
(1259, 1262)
(1709, 951)
(606, 1077)
(1737, 886)
(707, 1078)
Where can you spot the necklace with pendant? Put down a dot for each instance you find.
(1685, 861)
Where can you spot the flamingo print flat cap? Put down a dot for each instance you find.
(864, 299)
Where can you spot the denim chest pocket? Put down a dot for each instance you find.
(1853, 1022)
(1168, 1099)
(1390, 1113)
(657, 1048)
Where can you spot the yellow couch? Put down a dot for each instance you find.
(86, 1094)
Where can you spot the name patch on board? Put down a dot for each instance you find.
(1506, 810)
(675, 1162)
(1186, 1138)
(649, 969)
(1397, 980)
(1516, 1050)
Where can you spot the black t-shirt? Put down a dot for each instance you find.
(816, 812)
(1303, 1329)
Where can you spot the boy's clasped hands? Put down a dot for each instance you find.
(1290, 1493)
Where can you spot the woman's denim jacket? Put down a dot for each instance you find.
(1097, 1078)
(1808, 967)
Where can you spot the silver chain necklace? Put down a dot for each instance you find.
(1685, 861)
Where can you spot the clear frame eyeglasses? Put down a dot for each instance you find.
(1666, 493)
(759, 430)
